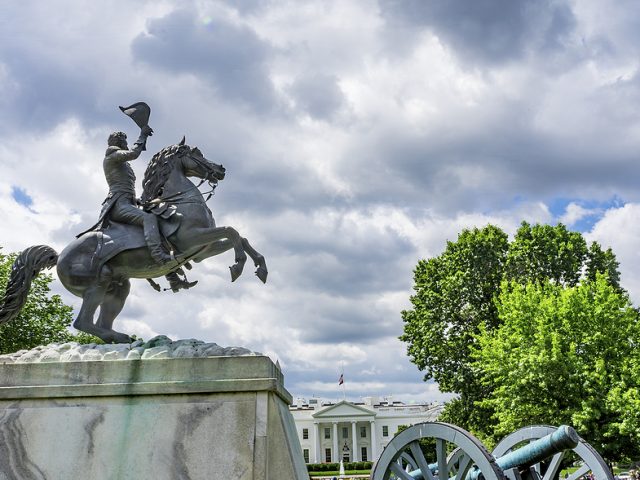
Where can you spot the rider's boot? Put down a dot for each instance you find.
(176, 283)
(154, 241)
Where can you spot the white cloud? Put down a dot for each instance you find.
(619, 228)
(416, 146)
(575, 212)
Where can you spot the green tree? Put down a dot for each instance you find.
(604, 262)
(555, 358)
(44, 318)
(540, 253)
(455, 296)
(624, 398)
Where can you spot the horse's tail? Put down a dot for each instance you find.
(25, 268)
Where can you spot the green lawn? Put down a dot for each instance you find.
(336, 473)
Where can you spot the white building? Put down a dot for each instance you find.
(353, 432)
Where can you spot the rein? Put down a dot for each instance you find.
(176, 197)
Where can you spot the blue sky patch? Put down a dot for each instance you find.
(593, 211)
(21, 196)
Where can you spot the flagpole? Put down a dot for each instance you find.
(344, 394)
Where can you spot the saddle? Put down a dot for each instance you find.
(116, 237)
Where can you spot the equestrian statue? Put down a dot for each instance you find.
(164, 230)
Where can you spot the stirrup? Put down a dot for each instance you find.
(177, 284)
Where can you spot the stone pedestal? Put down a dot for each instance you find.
(221, 418)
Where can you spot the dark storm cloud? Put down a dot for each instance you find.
(482, 159)
(46, 90)
(231, 57)
(615, 104)
(335, 324)
(318, 95)
(273, 189)
(343, 262)
(434, 142)
(346, 276)
(385, 374)
(487, 31)
(248, 7)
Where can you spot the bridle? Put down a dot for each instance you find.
(178, 197)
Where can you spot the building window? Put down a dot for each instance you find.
(345, 432)
(327, 433)
(305, 434)
(305, 454)
(385, 431)
(363, 433)
(327, 455)
(363, 454)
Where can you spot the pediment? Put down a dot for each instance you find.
(344, 409)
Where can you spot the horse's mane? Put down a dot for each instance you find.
(158, 171)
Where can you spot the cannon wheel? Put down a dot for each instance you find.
(406, 448)
(592, 461)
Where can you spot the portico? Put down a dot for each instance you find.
(344, 431)
(330, 432)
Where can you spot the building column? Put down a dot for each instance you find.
(354, 443)
(316, 432)
(374, 450)
(336, 455)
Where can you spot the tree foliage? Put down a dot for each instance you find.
(542, 253)
(454, 296)
(44, 318)
(556, 356)
(457, 296)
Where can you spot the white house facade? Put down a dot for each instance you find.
(353, 432)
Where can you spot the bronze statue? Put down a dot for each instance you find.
(170, 226)
(121, 204)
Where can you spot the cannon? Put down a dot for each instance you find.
(534, 452)
(591, 460)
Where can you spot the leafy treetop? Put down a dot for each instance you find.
(44, 319)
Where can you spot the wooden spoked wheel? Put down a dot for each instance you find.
(449, 452)
(591, 460)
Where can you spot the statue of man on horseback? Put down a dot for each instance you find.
(121, 204)
(171, 227)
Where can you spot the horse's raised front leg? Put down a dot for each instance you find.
(258, 260)
(222, 246)
(213, 249)
(208, 236)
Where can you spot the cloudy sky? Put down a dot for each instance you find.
(358, 136)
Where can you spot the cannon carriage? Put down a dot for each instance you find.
(438, 451)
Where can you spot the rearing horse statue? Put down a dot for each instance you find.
(97, 266)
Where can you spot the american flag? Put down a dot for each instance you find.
(341, 379)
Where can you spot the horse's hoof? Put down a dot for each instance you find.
(235, 272)
(261, 273)
(117, 337)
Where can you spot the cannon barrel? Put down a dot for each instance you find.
(564, 438)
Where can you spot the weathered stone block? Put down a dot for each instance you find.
(172, 418)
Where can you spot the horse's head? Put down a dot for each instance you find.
(196, 165)
(189, 159)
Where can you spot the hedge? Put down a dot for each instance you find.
(334, 467)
